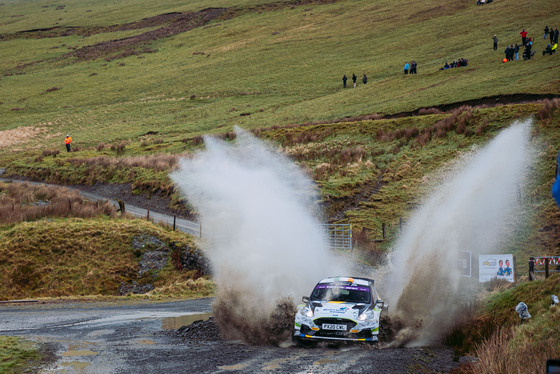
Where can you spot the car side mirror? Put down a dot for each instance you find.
(384, 307)
(305, 299)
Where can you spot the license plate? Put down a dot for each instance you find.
(331, 326)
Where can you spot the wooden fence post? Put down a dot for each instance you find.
(121, 207)
(531, 268)
(546, 267)
(174, 221)
(148, 214)
(383, 230)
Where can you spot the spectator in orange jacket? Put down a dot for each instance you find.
(67, 141)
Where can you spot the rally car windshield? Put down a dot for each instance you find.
(332, 292)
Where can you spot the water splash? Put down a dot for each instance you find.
(474, 208)
(260, 226)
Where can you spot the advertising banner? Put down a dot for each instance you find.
(464, 263)
(495, 266)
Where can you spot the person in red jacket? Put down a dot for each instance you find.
(67, 141)
(524, 37)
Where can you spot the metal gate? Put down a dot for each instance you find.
(340, 236)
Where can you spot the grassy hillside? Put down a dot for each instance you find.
(137, 87)
(498, 338)
(95, 256)
(276, 65)
(136, 84)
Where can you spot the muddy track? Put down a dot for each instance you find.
(342, 205)
(142, 337)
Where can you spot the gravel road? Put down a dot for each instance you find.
(145, 337)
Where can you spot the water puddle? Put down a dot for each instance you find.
(173, 323)
(77, 366)
(78, 353)
(234, 367)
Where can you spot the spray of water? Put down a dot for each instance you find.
(260, 226)
(473, 209)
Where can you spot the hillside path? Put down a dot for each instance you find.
(181, 224)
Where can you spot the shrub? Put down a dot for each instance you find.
(25, 202)
(411, 132)
(197, 140)
(548, 109)
(50, 152)
(425, 111)
(424, 137)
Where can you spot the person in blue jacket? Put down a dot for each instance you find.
(501, 269)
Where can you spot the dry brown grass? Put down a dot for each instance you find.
(425, 111)
(501, 353)
(24, 202)
(19, 135)
(160, 162)
(545, 113)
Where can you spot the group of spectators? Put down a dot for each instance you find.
(354, 79)
(455, 64)
(512, 50)
(410, 68)
(552, 36)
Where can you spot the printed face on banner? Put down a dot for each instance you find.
(495, 266)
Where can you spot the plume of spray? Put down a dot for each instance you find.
(474, 208)
(261, 233)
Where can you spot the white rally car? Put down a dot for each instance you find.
(340, 308)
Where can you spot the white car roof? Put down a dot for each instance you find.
(359, 281)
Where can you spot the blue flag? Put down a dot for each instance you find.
(556, 185)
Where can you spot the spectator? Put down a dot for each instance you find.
(527, 53)
(67, 141)
(406, 66)
(354, 78)
(344, 79)
(455, 64)
(548, 50)
(545, 32)
(495, 39)
(364, 79)
(555, 36)
(506, 52)
(413, 67)
(523, 37)
(516, 52)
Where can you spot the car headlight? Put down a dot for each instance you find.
(306, 311)
(368, 314)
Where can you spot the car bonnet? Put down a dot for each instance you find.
(336, 309)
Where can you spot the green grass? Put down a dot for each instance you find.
(287, 63)
(16, 354)
(498, 337)
(57, 258)
(283, 66)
